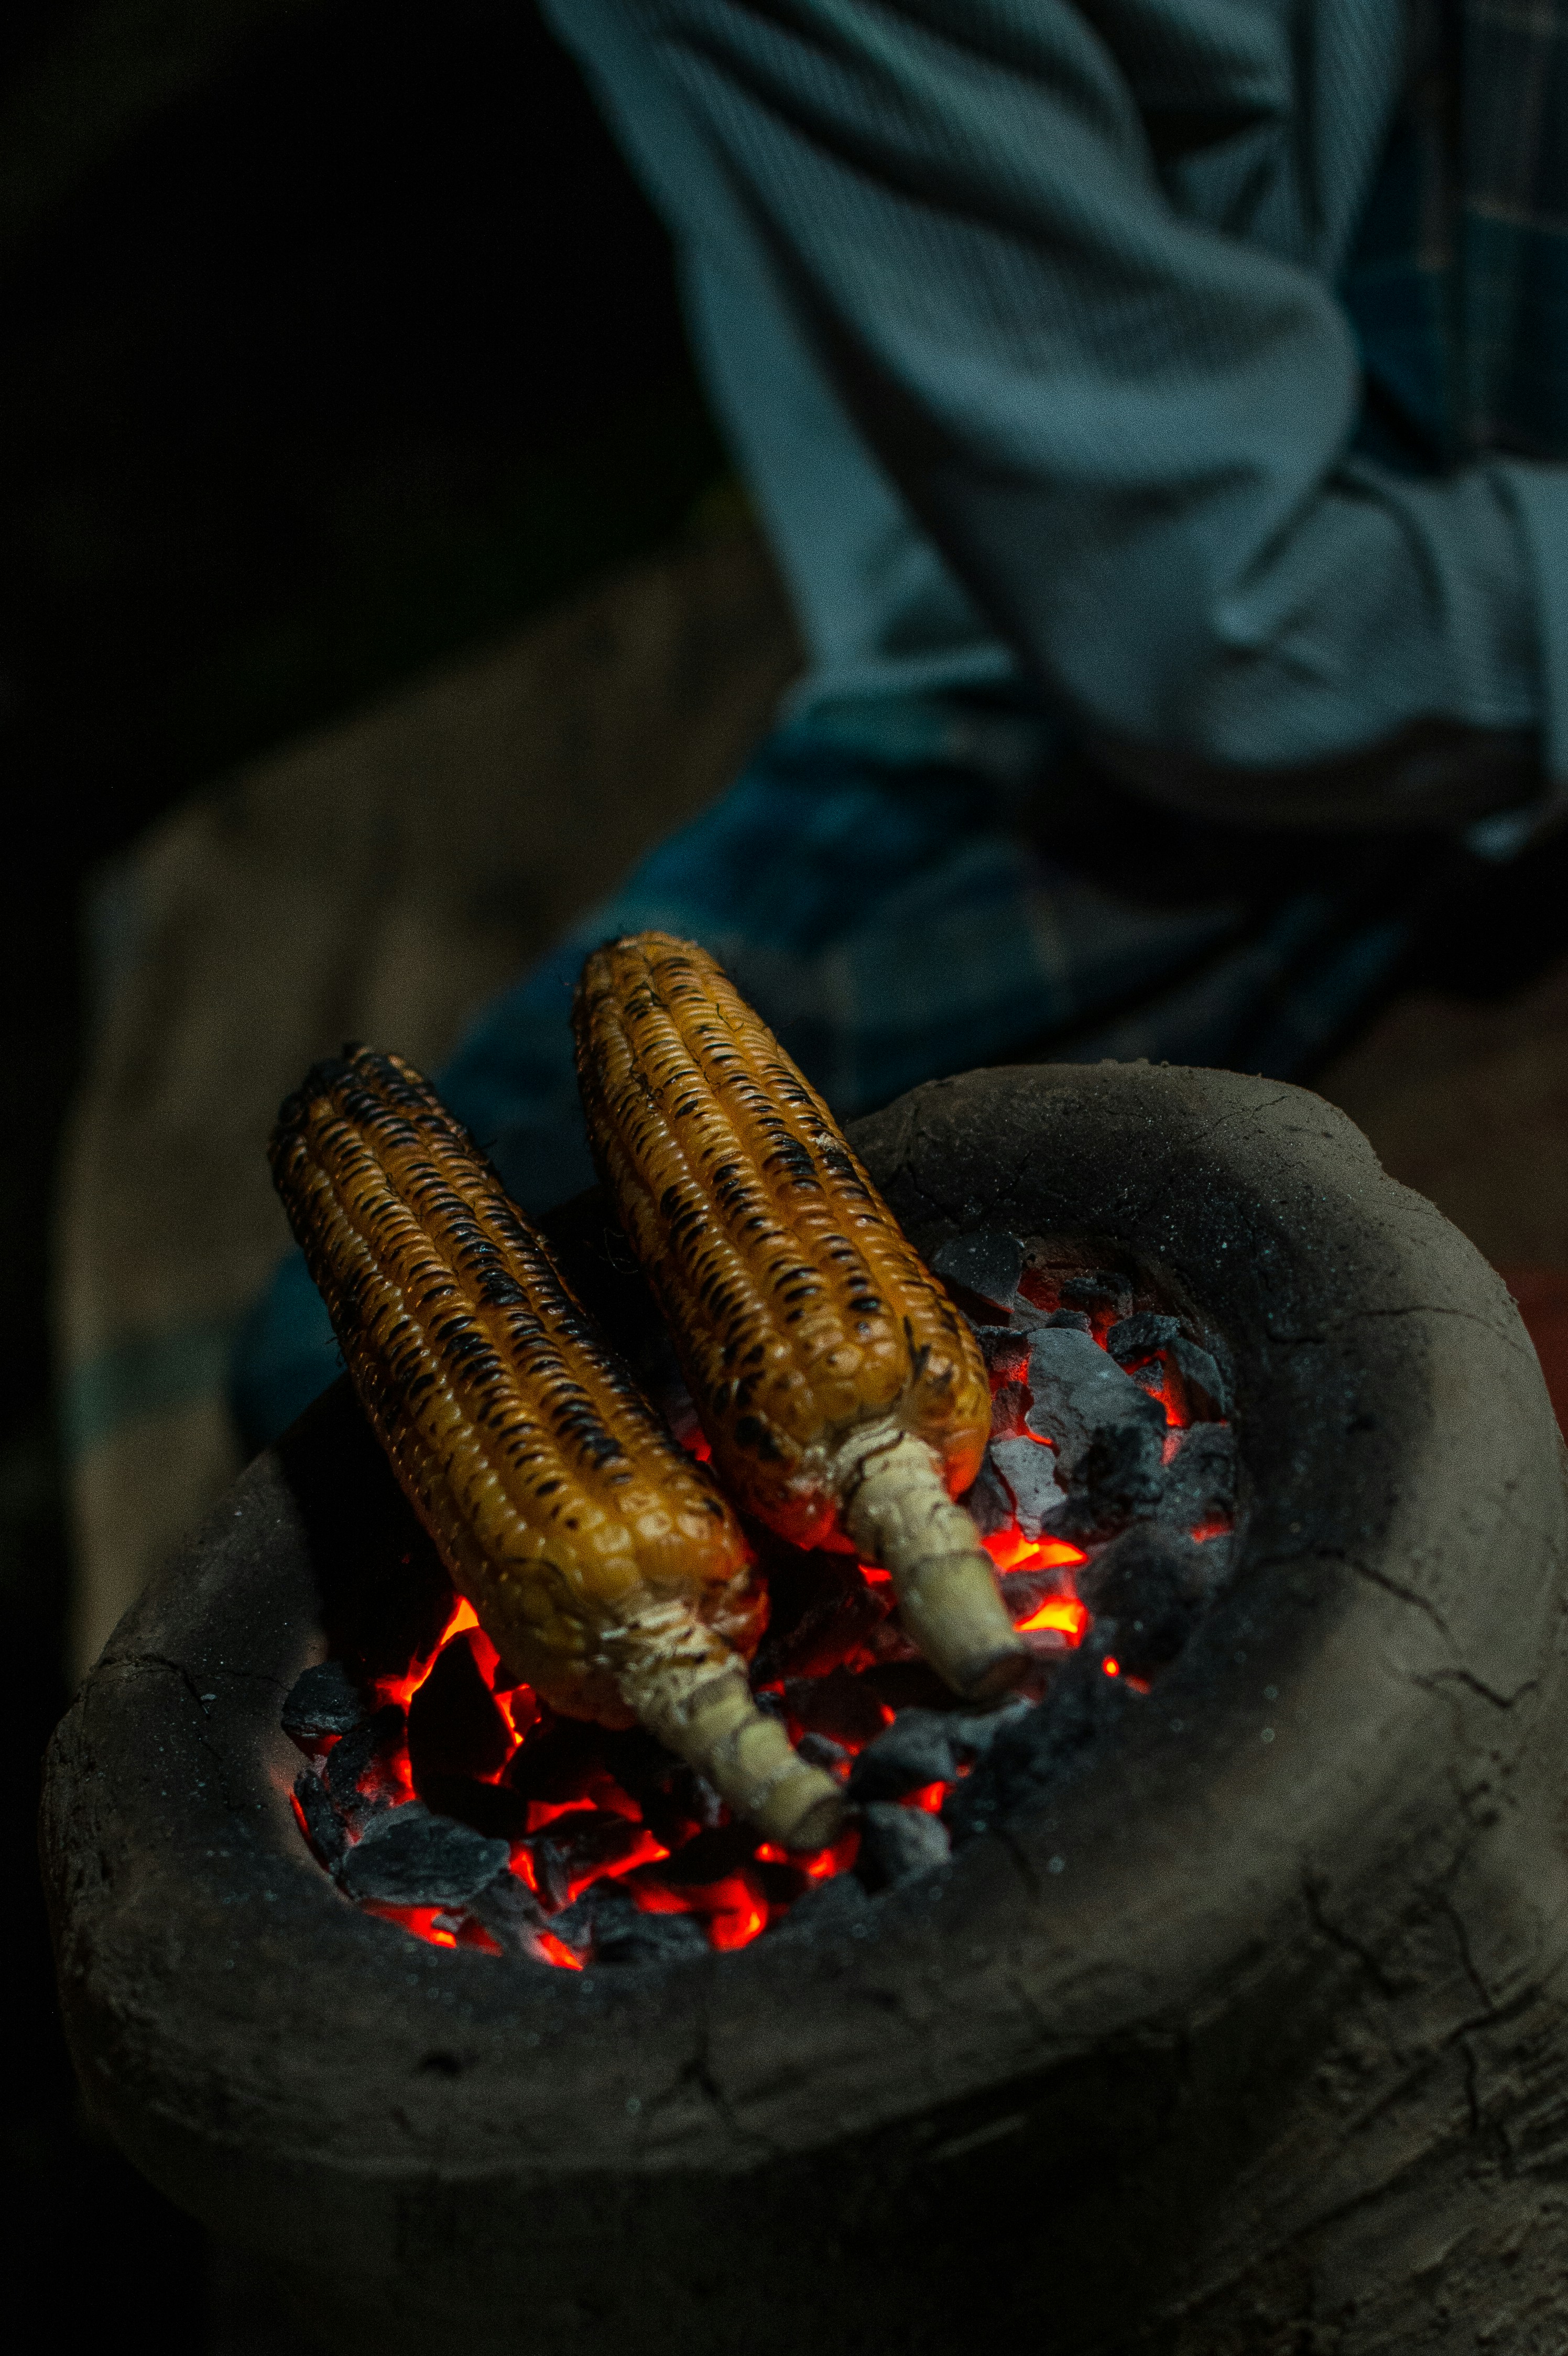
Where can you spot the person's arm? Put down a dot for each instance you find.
(1127, 431)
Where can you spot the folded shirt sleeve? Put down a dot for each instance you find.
(1129, 430)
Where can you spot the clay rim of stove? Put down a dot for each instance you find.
(252, 2037)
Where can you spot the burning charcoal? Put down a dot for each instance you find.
(1070, 1321)
(573, 1925)
(896, 1844)
(400, 1618)
(1106, 1295)
(672, 1799)
(820, 1623)
(1139, 1337)
(322, 1826)
(831, 1908)
(323, 1700)
(1023, 1592)
(987, 1266)
(838, 1705)
(584, 1842)
(888, 1643)
(1200, 1481)
(1029, 1471)
(559, 1761)
(820, 1751)
(454, 1725)
(1041, 1748)
(623, 1933)
(1144, 1590)
(409, 1858)
(361, 1769)
(1119, 1478)
(711, 1857)
(915, 1750)
(1200, 1390)
(510, 1913)
(494, 1809)
(988, 1503)
(1009, 1406)
(1005, 1350)
(1079, 1392)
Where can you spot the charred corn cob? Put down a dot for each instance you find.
(844, 1398)
(604, 1565)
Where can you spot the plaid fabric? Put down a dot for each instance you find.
(1458, 284)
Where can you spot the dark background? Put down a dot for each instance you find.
(335, 338)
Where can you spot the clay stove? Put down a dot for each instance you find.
(1212, 2005)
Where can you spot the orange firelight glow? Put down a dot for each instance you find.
(571, 1806)
(1011, 1550)
(1064, 1612)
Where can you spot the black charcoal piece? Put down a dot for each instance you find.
(820, 1751)
(838, 1705)
(907, 1684)
(573, 1925)
(559, 1762)
(1009, 1406)
(989, 1503)
(972, 1733)
(624, 1935)
(1079, 1392)
(509, 1912)
(1070, 1321)
(323, 1700)
(454, 1725)
(1200, 1480)
(1201, 1389)
(589, 1840)
(409, 1858)
(1144, 1590)
(915, 1750)
(1042, 1748)
(358, 1768)
(711, 1857)
(829, 1909)
(1141, 1336)
(1101, 1290)
(841, 1616)
(896, 1844)
(887, 1642)
(1120, 1479)
(324, 1827)
(1005, 1349)
(676, 1805)
(1023, 1592)
(986, 1265)
(1029, 1471)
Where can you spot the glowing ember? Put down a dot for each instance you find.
(570, 1809)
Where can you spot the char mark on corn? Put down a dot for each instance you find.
(604, 1564)
(844, 1396)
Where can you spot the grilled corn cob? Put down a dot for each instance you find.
(604, 1565)
(845, 1400)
